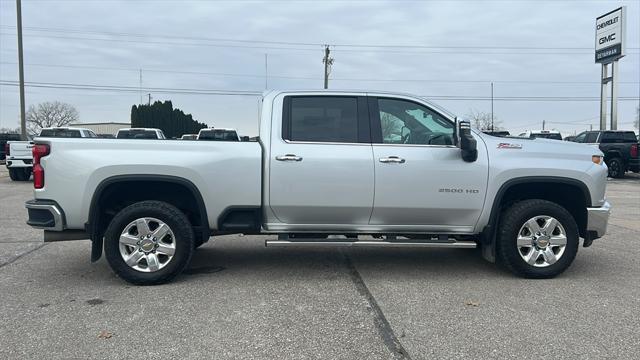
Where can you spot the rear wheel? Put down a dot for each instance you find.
(616, 170)
(537, 239)
(149, 243)
(20, 174)
(13, 174)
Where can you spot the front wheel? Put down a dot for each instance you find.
(537, 239)
(149, 243)
(616, 169)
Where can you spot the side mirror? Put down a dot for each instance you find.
(468, 145)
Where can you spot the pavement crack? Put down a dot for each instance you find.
(389, 338)
(13, 259)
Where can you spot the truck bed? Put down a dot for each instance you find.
(76, 167)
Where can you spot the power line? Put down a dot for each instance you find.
(296, 46)
(292, 43)
(524, 81)
(136, 89)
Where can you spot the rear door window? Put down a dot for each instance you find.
(591, 138)
(580, 137)
(321, 119)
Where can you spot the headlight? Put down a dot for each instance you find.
(597, 159)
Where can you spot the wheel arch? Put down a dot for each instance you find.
(530, 187)
(96, 224)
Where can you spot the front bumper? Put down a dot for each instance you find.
(597, 219)
(45, 214)
(18, 163)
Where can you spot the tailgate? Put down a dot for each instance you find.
(21, 149)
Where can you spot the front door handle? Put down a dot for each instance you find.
(392, 160)
(288, 157)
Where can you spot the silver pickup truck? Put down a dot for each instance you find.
(330, 168)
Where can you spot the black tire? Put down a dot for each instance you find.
(616, 169)
(169, 214)
(20, 174)
(513, 218)
(26, 174)
(14, 174)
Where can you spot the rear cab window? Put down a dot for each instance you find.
(329, 119)
(619, 137)
(137, 134)
(60, 133)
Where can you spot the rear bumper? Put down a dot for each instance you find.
(597, 220)
(45, 214)
(18, 163)
(634, 165)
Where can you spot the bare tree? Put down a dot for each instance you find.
(636, 123)
(50, 114)
(482, 120)
(10, 130)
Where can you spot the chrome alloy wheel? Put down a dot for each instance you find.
(541, 241)
(147, 244)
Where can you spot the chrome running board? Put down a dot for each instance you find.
(371, 243)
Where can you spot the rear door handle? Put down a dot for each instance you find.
(392, 160)
(288, 157)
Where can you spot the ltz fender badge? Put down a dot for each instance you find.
(509, 146)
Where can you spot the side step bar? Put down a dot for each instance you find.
(371, 243)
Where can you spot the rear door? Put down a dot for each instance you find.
(321, 164)
(422, 183)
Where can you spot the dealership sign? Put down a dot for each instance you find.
(610, 35)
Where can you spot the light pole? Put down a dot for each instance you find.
(23, 120)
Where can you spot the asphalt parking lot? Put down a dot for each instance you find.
(241, 300)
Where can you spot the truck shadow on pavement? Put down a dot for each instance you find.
(318, 262)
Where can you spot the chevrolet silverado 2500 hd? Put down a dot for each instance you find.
(331, 168)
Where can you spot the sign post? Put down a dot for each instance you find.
(610, 47)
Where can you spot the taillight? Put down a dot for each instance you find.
(6, 149)
(634, 150)
(38, 151)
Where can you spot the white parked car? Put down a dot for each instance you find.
(18, 153)
(541, 134)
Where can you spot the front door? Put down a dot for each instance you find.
(422, 183)
(321, 162)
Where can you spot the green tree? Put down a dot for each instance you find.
(162, 115)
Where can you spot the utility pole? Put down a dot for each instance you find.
(543, 122)
(149, 102)
(266, 72)
(23, 118)
(140, 88)
(492, 129)
(327, 66)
